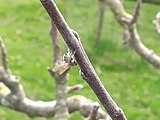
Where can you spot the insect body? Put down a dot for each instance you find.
(68, 57)
(68, 61)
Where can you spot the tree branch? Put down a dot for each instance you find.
(136, 13)
(55, 41)
(13, 96)
(74, 44)
(133, 37)
(45, 109)
(74, 88)
(60, 80)
(4, 55)
(100, 20)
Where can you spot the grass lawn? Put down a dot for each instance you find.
(131, 81)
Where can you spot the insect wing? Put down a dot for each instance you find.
(64, 68)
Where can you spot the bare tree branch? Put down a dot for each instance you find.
(94, 113)
(136, 12)
(15, 99)
(4, 55)
(92, 79)
(74, 88)
(13, 96)
(60, 80)
(100, 20)
(55, 41)
(134, 39)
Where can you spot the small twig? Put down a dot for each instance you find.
(94, 113)
(136, 12)
(100, 20)
(4, 55)
(74, 88)
(55, 41)
(51, 71)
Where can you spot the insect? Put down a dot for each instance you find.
(68, 61)
(68, 57)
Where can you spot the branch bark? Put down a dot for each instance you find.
(86, 68)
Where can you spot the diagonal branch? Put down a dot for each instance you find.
(136, 12)
(86, 68)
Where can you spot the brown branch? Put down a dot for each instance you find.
(55, 41)
(136, 12)
(83, 61)
(100, 20)
(4, 55)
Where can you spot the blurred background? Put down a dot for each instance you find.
(132, 82)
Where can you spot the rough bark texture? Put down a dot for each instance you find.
(86, 68)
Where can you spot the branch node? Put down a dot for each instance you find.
(74, 88)
(136, 12)
(94, 113)
(75, 34)
(82, 75)
(51, 71)
(118, 112)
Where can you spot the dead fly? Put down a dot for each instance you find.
(68, 61)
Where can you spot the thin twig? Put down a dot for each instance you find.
(74, 88)
(82, 59)
(100, 20)
(55, 41)
(4, 55)
(94, 113)
(136, 12)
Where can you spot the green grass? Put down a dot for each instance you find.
(131, 81)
